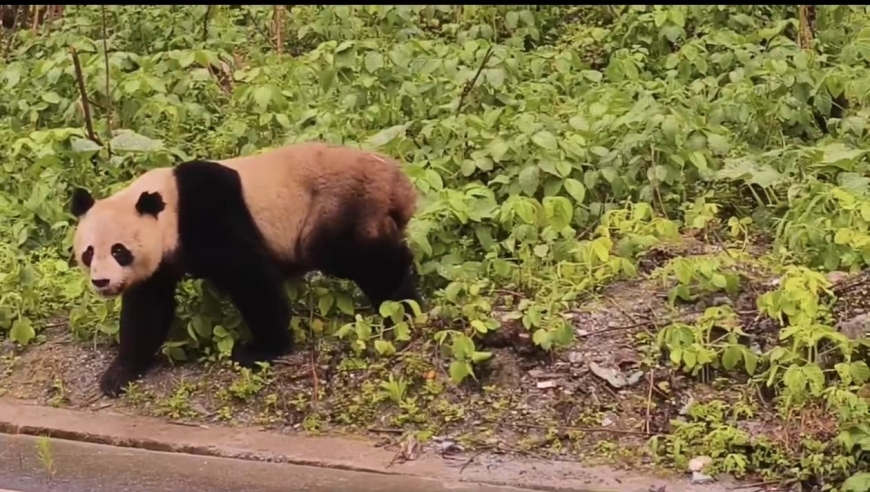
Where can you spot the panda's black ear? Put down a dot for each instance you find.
(81, 202)
(150, 204)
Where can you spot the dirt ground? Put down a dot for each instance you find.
(599, 400)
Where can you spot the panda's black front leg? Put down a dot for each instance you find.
(257, 291)
(147, 311)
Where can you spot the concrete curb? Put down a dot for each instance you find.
(106, 427)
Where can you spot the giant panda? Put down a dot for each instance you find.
(245, 224)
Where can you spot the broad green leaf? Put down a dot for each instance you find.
(131, 141)
(479, 357)
(344, 303)
(459, 370)
(50, 97)
(859, 482)
(558, 210)
(201, 326)
(263, 96)
(495, 77)
(22, 331)
(84, 145)
(576, 189)
(498, 148)
(592, 75)
(324, 304)
(384, 347)
(670, 127)
(545, 139)
(512, 18)
(718, 143)
(12, 74)
(387, 135)
(859, 371)
(374, 61)
(529, 179)
(750, 361)
(731, 357)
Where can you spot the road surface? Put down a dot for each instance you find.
(84, 467)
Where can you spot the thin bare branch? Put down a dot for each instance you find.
(86, 107)
(108, 85)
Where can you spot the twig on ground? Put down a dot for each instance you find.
(473, 457)
(623, 311)
(760, 484)
(588, 429)
(510, 293)
(314, 380)
(385, 430)
(620, 328)
(646, 427)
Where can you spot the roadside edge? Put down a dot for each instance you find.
(343, 453)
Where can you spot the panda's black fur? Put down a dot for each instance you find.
(353, 228)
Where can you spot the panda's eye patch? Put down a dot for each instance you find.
(87, 256)
(121, 254)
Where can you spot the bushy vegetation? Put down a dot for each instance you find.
(552, 147)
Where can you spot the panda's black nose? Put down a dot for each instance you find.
(100, 282)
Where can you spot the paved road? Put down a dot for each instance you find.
(82, 467)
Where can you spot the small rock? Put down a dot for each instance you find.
(726, 479)
(698, 463)
(687, 406)
(575, 357)
(7, 348)
(699, 478)
(855, 327)
(612, 376)
(546, 384)
(539, 374)
(836, 276)
(581, 333)
(635, 377)
(606, 422)
(721, 301)
(198, 408)
(449, 447)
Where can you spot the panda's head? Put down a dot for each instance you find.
(118, 240)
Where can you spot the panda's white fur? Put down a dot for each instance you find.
(246, 224)
(138, 234)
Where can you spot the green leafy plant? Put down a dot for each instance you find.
(554, 148)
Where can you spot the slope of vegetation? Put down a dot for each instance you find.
(693, 169)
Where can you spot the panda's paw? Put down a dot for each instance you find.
(114, 381)
(247, 355)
